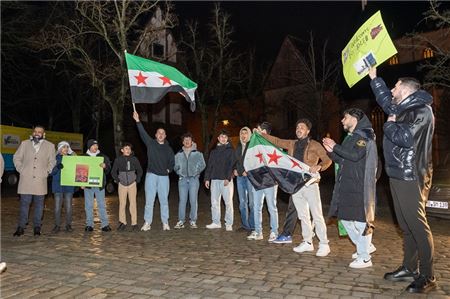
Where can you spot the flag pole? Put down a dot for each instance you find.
(134, 105)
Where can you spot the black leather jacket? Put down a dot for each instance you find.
(407, 142)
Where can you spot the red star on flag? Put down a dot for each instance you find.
(260, 156)
(165, 81)
(141, 79)
(294, 164)
(273, 157)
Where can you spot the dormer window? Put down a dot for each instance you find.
(428, 53)
(393, 60)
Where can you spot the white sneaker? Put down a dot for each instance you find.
(166, 226)
(304, 246)
(228, 228)
(146, 227)
(180, 224)
(372, 249)
(324, 250)
(213, 226)
(360, 263)
(272, 237)
(2, 267)
(193, 224)
(255, 236)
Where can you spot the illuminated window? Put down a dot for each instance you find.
(428, 53)
(393, 60)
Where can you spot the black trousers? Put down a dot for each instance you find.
(409, 208)
(291, 219)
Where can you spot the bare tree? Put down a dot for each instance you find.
(438, 68)
(212, 62)
(94, 38)
(316, 76)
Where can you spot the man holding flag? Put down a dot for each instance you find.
(307, 199)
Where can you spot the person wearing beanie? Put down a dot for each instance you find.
(161, 161)
(62, 193)
(97, 192)
(244, 186)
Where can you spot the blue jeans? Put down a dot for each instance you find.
(355, 230)
(218, 190)
(156, 184)
(244, 189)
(89, 194)
(270, 194)
(188, 186)
(59, 197)
(25, 201)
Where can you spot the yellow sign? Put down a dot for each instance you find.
(370, 46)
(13, 136)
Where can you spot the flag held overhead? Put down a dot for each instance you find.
(150, 81)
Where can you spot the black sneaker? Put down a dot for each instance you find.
(20, 231)
(88, 228)
(401, 274)
(56, 229)
(121, 226)
(69, 228)
(134, 228)
(37, 231)
(422, 284)
(106, 228)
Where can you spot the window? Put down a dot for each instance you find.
(393, 60)
(428, 53)
(157, 50)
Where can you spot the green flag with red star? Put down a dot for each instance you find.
(267, 166)
(150, 81)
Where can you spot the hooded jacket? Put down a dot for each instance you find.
(407, 142)
(220, 163)
(126, 170)
(240, 152)
(189, 164)
(354, 189)
(56, 178)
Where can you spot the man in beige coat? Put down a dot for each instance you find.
(34, 160)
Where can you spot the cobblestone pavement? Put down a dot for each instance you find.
(196, 263)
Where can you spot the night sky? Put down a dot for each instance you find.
(265, 24)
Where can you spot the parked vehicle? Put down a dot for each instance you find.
(13, 136)
(439, 198)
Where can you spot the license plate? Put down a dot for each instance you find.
(437, 204)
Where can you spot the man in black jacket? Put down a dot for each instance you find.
(407, 146)
(161, 161)
(353, 199)
(219, 177)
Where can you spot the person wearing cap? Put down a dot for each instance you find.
(34, 160)
(353, 200)
(97, 192)
(161, 161)
(62, 193)
(219, 177)
(244, 187)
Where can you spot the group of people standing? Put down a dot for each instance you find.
(407, 151)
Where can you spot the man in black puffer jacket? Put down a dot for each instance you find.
(407, 146)
(353, 199)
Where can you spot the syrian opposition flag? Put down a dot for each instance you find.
(267, 166)
(151, 80)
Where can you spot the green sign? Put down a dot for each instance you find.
(370, 46)
(82, 171)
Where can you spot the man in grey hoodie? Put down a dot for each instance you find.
(189, 163)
